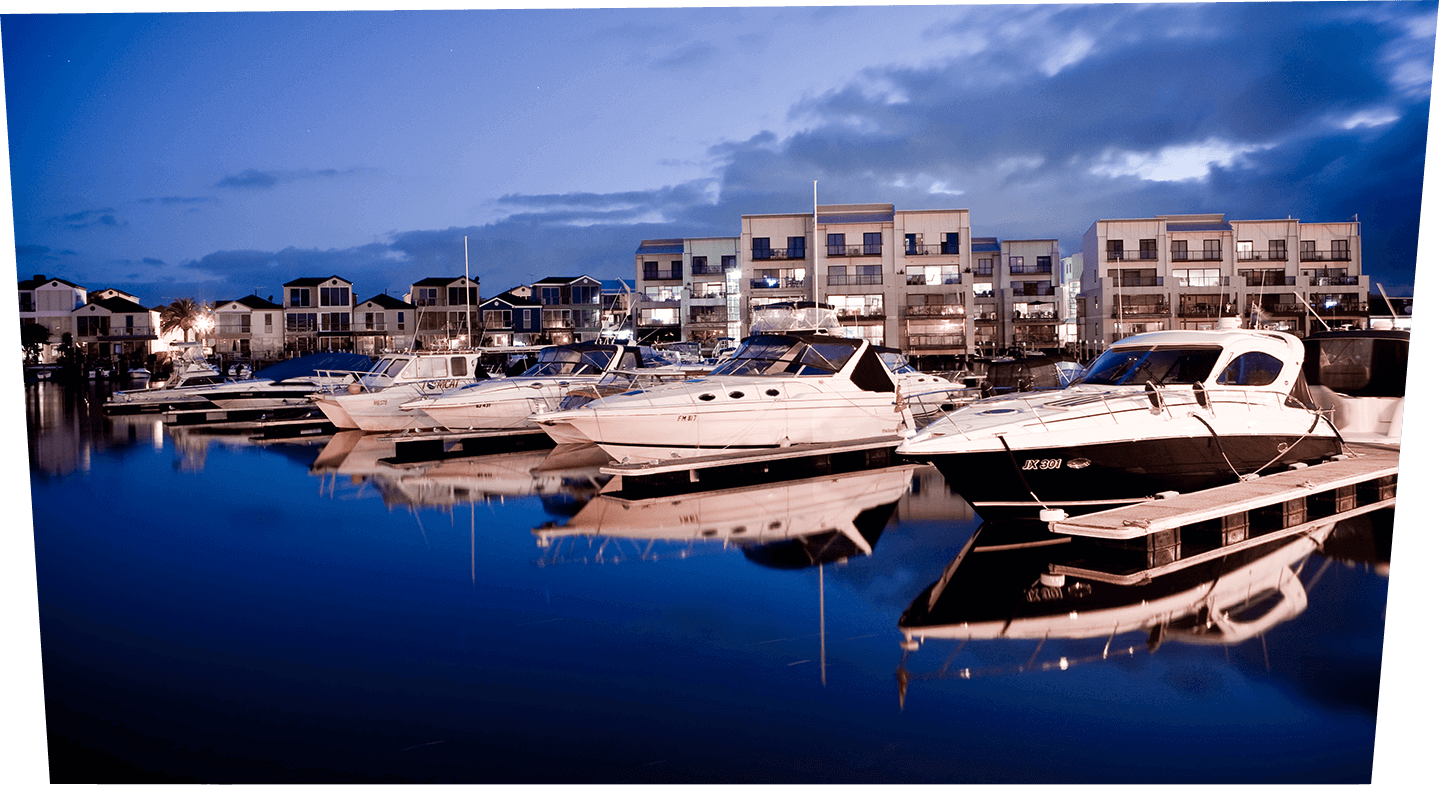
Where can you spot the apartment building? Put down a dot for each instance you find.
(688, 289)
(1186, 271)
(895, 277)
(443, 309)
(50, 302)
(1029, 294)
(115, 329)
(511, 319)
(570, 308)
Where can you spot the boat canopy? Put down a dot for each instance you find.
(808, 355)
(1361, 363)
(803, 316)
(576, 359)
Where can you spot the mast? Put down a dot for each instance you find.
(469, 301)
(814, 274)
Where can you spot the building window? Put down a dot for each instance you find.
(300, 322)
(334, 295)
(984, 266)
(299, 298)
(269, 324)
(1211, 251)
(873, 244)
(334, 322)
(1245, 249)
(497, 320)
(244, 322)
(1277, 251)
(950, 244)
(590, 295)
(427, 296)
(1149, 249)
(1306, 250)
(796, 247)
(1115, 249)
(550, 295)
(528, 321)
(759, 247)
(400, 321)
(834, 244)
(1339, 250)
(728, 262)
(1179, 250)
(457, 295)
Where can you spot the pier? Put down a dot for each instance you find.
(423, 446)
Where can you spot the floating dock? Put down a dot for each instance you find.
(1138, 542)
(741, 467)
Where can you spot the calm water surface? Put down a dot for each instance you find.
(215, 609)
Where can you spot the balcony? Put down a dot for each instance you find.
(1199, 283)
(706, 269)
(854, 250)
(1275, 255)
(1324, 256)
(138, 333)
(1046, 290)
(1046, 316)
(760, 254)
(707, 295)
(986, 316)
(1128, 282)
(945, 309)
(1201, 310)
(923, 280)
(1139, 310)
(1030, 269)
(944, 341)
(663, 275)
(1341, 280)
(699, 318)
(985, 295)
(984, 271)
(1140, 256)
(938, 249)
(1196, 256)
(1265, 279)
(854, 280)
(859, 313)
(1344, 307)
(777, 283)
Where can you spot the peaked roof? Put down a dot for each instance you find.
(386, 301)
(558, 279)
(437, 281)
(314, 281)
(512, 299)
(254, 301)
(36, 283)
(115, 305)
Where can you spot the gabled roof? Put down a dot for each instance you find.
(314, 281)
(35, 283)
(563, 280)
(443, 281)
(255, 302)
(115, 305)
(390, 303)
(513, 300)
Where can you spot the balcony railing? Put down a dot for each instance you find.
(945, 341)
(1030, 269)
(1136, 256)
(1140, 310)
(1342, 307)
(938, 309)
(859, 313)
(118, 332)
(923, 280)
(663, 275)
(1341, 280)
(1222, 280)
(854, 250)
(1128, 282)
(987, 294)
(1196, 256)
(1035, 338)
(938, 249)
(1268, 280)
(1047, 316)
(776, 283)
(1324, 256)
(706, 269)
(776, 253)
(696, 318)
(986, 316)
(1263, 256)
(855, 280)
(707, 295)
(1033, 291)
(1201, 310)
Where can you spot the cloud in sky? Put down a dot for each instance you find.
(670, 123)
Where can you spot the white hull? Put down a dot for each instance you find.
(334, 412)
(380, 410)
(681, 430)
(501, 404)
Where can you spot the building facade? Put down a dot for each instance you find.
(250, 328)
(570, 308)
(444, 308)
(894, 277)
(383, 324)
(317, 315)
(1186, 271)
(50, 303)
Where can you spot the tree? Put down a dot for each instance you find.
(33, 336)
(182, 314)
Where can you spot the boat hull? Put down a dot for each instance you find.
(1083, 477)
(380, 411)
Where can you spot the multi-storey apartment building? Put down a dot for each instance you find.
(115, 329)
(894, 276)
(317, 315)
(1186, 271)
(250, 327)
(688, 289)
(1029, 294)
(510, 319)
(50, 302)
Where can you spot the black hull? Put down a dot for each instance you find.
(1115, 471)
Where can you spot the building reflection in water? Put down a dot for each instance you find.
(66, 427)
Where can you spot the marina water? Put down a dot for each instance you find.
(217, 609)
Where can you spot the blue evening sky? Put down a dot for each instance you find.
(215, 155)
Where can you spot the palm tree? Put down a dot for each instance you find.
(182, 314)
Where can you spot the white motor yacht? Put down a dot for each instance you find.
(777, 390)
(192, 374)
(290, 383)
(1174, 411)
(1359, 377)
(372, 402)
(580, 369)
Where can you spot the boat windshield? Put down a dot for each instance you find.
(576, 360)
(773, 355)
(1166, 365)
(894, 361)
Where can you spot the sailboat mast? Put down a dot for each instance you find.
(469, 300)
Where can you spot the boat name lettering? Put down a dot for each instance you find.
(1042, 463)
(444, 384)
(686, 417)
(380, 402)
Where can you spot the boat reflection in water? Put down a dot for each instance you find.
(1013, 583)
(795, 523)
(559, 477)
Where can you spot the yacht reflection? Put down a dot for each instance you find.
(1008, 583)
(791, 524)
(556, 476)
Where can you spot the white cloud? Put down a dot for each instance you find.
(1176, 162)
(941, 187)
(1072, 51)
(1368, 118)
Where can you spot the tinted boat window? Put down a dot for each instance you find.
(1251, 369)
(1161, 366)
